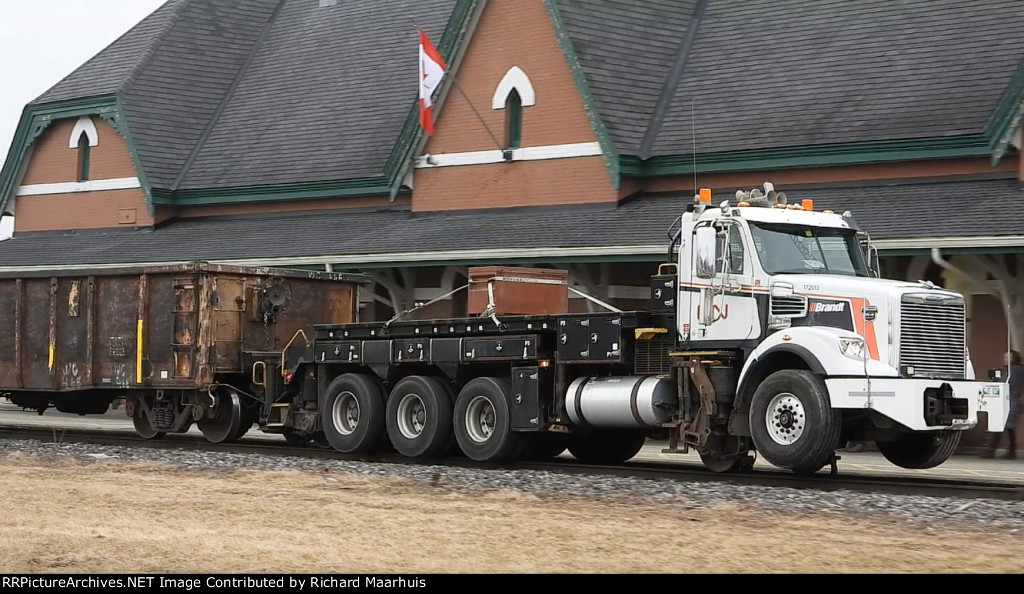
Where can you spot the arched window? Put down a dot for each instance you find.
(83, 157)
(513, 120)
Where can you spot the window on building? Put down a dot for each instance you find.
(513, 120)
(83, 157)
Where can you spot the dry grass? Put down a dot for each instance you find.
(74, 516)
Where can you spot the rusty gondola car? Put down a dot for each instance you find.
(178, 343)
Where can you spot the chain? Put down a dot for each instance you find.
(266, 330)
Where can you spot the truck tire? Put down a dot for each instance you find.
(921, 450)
(792, 422)
(608, 446)
(352, 415)
(483, 425)
(419, 417)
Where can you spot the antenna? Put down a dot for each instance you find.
(693, 132)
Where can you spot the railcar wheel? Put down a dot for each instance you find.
(610, 446)
(792, 422)
(419, 417)
(921, 450)
(483, 424)
(226, 419)
(144, 427)
(352, 414)
(250, 414)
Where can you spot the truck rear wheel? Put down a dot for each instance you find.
(352, 414)
(483, 425)
(921, 450)
(609, 446)
(419, 417)
(792, 422)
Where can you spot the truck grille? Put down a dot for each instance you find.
(789, 306)
(932, 336)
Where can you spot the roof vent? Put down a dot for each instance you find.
(324, 3)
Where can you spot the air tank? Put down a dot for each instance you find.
(628, 402)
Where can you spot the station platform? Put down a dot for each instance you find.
(964, 466)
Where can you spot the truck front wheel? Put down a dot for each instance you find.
(926, 449)
(792, 422)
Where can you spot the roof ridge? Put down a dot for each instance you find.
(147, 56)
(228, 94)
(668, 90)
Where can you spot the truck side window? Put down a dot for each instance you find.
(735, 253)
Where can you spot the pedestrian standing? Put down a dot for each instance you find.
(1016, 380)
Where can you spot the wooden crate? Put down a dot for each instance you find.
(519, 290)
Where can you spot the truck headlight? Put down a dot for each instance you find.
(853, 348)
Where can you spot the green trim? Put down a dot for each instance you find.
(35, 119)
(116, 118)
(609, 150)
(273, 193)
(454, 38)
(810, 156)
(1007, 116)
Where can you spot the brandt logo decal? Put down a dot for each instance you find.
(819, 307)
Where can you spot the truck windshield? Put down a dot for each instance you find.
(795, 249)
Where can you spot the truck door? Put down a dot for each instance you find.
(718, 306)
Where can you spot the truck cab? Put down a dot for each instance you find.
(822, 349)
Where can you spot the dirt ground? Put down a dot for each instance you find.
(71, 516)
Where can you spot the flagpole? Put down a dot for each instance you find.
(466, 97)
(477, 113)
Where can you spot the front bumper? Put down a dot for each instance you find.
(923, 404)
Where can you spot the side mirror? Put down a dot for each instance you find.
(704, 243)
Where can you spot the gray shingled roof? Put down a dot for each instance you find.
(222, 93)
(626, 48)
(642, 221)
(326, 96)
(795, 73)
(106, 72)
(263, 91)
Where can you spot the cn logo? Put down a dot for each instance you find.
(717, 313)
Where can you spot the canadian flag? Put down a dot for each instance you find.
(431, 73)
